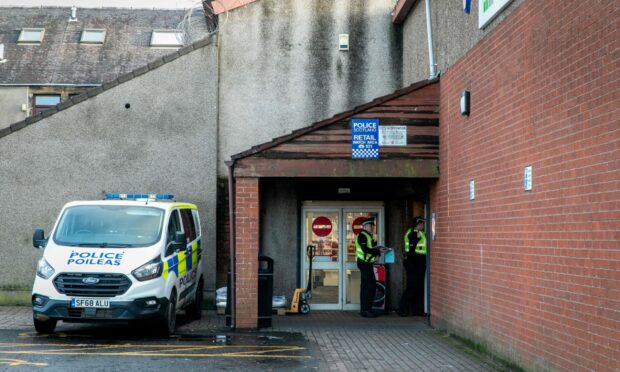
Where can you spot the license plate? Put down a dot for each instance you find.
(99, 303)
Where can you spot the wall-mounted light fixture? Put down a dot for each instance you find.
(343, 42)
(2, 59)
(465, 102)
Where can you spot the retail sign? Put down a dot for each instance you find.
(357, 224)
(365, 138)
(527, 178)
(467, 6)
(489, 9)
(322, 226)
(393, 135)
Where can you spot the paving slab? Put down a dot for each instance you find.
(337, 340)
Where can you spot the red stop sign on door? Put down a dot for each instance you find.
(357, 224)
(322, 226)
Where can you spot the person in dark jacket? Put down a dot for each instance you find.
(415, 264)
(367, 251)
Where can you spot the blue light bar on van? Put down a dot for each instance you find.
(139, 196)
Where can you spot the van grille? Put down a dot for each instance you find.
(109, 285)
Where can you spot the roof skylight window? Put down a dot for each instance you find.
(31, 36)
(92, 36)
(167, 38)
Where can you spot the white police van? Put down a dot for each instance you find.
(129, 257)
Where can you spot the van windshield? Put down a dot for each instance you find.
(109, 226)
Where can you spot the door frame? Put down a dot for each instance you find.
(341, 208)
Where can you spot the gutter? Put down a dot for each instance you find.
(231, 217)
(49, 85)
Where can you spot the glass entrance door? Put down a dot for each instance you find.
(331, 230)
(323, 234)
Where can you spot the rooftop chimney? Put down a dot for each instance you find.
(73, 14)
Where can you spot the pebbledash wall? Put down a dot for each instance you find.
(281, 68)
(151, 130)
(533, 275)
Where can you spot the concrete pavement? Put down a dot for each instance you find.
(339, 341)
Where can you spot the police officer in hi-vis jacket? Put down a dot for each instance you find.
(415, 264)
(367, 252)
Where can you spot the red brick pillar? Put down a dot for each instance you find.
(246, 249)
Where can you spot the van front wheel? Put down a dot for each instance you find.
(44, 326)
(168, 323)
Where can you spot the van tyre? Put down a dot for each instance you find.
(44, 326)
(168, 323)
(194, 310)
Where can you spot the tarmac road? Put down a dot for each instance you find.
(118, 347)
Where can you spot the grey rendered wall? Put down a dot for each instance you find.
(279, 232)
(454, 33)
(281, 68)
(165, 142)
(11, 100)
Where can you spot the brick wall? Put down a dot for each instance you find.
(534, 275)
(246, 251)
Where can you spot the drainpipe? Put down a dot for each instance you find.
(231, 219)
(429, 33)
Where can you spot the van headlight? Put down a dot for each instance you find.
(44, 269)
(149, 270)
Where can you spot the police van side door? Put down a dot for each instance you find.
(188, 259)
(171, 259)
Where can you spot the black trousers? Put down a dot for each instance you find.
(412, 301)
(369, 285)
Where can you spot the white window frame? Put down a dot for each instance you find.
(22, 40)
(100, 31)
(167, 43)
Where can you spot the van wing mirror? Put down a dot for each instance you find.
(38, 239)
(179, 238)
(179, 241)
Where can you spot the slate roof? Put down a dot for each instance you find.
(61, 59)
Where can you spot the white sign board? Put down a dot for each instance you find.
(393, 135)
(527, 178)
(488, 9)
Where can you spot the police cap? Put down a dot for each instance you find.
(368, 221)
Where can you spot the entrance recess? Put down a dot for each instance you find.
(332, 228)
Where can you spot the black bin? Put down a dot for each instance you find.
(265, 291)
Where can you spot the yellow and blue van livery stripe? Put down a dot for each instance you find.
(171, 265)
(181, 263)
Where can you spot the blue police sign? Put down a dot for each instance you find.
(365, 138)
